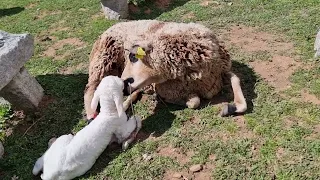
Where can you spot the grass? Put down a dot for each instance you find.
(278, 137)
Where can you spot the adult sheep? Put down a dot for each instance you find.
(184, 60)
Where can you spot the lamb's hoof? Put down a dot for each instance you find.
(193, 102)
(125, 145)
(51, 141)
(89, 120)
(228, 110)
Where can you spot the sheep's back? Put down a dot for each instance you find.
(188, 51)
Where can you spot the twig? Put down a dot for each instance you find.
(162, 101)
(30, 127)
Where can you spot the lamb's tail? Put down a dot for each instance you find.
(38, 166)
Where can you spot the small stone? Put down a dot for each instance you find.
(230, 3)
(196, 168)
(216, 2)
(146, 157)
(47, 38)
(177, 175)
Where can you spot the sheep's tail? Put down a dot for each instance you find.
(38, 166)
(240, 104)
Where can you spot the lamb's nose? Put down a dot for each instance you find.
(126, 89)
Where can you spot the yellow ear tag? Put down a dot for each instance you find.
(140, 53)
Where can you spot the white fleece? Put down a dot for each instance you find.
(72, 156)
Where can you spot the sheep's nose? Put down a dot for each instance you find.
(126, 89)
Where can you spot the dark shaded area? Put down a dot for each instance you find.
(59, 111)
(248, 80)
(10, 11)
(151, 9)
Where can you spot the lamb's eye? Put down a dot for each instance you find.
(133, 58)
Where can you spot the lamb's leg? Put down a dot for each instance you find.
(55, 144)
(240, 104)
(193, 101)
(39, 163)
(128, 131)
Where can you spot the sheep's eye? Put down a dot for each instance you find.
(133, 58)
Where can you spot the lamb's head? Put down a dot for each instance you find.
(139, 70)
(109, 93)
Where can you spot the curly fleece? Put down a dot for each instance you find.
(188, 55)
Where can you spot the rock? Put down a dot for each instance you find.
(177, 175)
(146, 157)
(15, 52)
(196, 168)
(230, 3)
(115, 9)
(23, 92)
(317, 45)
(1, 150)
(16, 85)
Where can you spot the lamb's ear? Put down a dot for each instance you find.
(118, 100)
(95, 101)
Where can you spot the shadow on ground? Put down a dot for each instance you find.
(59, 113)
(10, 11)
(60, 110)
(151, 9)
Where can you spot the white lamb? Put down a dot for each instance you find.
(71, 156)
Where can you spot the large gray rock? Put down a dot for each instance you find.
(16, 85)
(317, 45)
(23, 91)
(16, 50)
(115, 9)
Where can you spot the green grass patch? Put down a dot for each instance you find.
(278, 138)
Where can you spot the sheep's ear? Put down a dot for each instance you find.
(141, 49)
(118, 100)
(95, 101)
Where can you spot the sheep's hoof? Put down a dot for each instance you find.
(193, 102)
(228, 110)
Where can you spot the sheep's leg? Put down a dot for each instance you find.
(88, 95)
(131, 98)
(240, 104)
(193, 101)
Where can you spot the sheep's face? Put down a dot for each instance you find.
(138, 70)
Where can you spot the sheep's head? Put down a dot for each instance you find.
(139, 70)
(109, 89)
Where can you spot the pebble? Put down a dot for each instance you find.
(196, 168)
(146, 157)
(177, 175)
